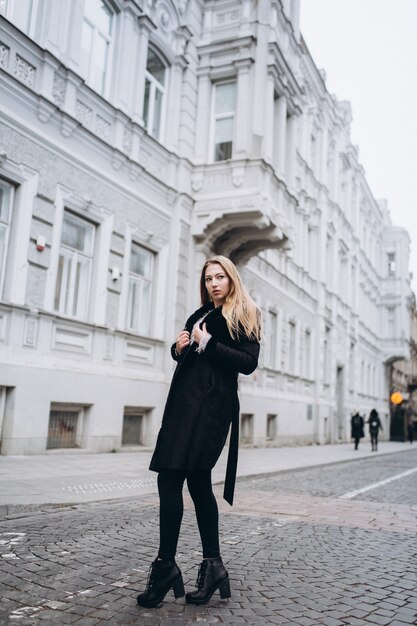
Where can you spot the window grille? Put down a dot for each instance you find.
(63, 429)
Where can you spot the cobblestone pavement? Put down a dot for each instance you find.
(297, 553)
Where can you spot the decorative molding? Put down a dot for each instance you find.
(68, 125)
(182, 6)
(31, 332)
(3, 325)
(24, 71)
(45, 110)
(4, 55)
(109, 347)
(117, 160)
(139, 352)
(58, 89)
(103, 127)
(153, 165)
(83, 114)
(227, 17)
(70, 339)
(127, 141)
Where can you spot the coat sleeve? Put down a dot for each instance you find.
(174, 353)
(175, 356)
(241, 357)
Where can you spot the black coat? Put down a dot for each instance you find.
(374, 423)
(357, 424)
(203, 401)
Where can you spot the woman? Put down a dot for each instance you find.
(374, 426)
(219, 340)
(357, 424)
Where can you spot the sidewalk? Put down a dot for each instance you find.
(28, 483)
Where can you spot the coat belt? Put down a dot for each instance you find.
(231, 468)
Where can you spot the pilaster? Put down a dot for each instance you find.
(146, 27)
(203, 116)
(281, 134)
(242, 126)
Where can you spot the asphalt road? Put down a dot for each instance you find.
(322, 546)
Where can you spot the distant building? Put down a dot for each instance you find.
(136, 139)
(403, 379)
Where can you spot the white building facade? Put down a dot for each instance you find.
(136, 139)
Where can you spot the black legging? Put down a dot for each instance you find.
(170, 485)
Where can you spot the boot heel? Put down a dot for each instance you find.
(178, 588)
(224, 588)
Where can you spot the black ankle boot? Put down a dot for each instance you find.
(163, 576)
(212, 575)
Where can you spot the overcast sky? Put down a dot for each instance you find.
(368, 49)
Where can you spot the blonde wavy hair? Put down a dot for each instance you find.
(239, 310)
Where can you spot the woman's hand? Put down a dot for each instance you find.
(183, 340)
(199, 333)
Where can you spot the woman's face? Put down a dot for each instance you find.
(217, 283)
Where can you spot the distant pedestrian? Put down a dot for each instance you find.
(219, 340)
(374, 426)
(356, 424)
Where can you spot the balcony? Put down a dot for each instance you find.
(241, 208)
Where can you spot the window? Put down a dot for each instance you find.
(95, 43)
(21, 12)
(326, 356)
(271, 352)
(6, 199)
(134, 426)
(246, 428)
(291, 347)
(155, 79)
(352, 367)
(140, 286)
(224, 115)
(74, 266)
(391, 321)
(329, 262)
(307, 354)
(271, 427)
(391, 263)
(313, 152)
(343, 271)
(64, 427)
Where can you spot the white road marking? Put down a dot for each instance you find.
(89, 488)
(357, 492)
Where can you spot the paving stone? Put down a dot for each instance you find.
(296, 555)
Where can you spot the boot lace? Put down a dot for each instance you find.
(201, 575)
(151, 576)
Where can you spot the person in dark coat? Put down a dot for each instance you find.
(357, 424)
(219, 341)
(374, 426)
